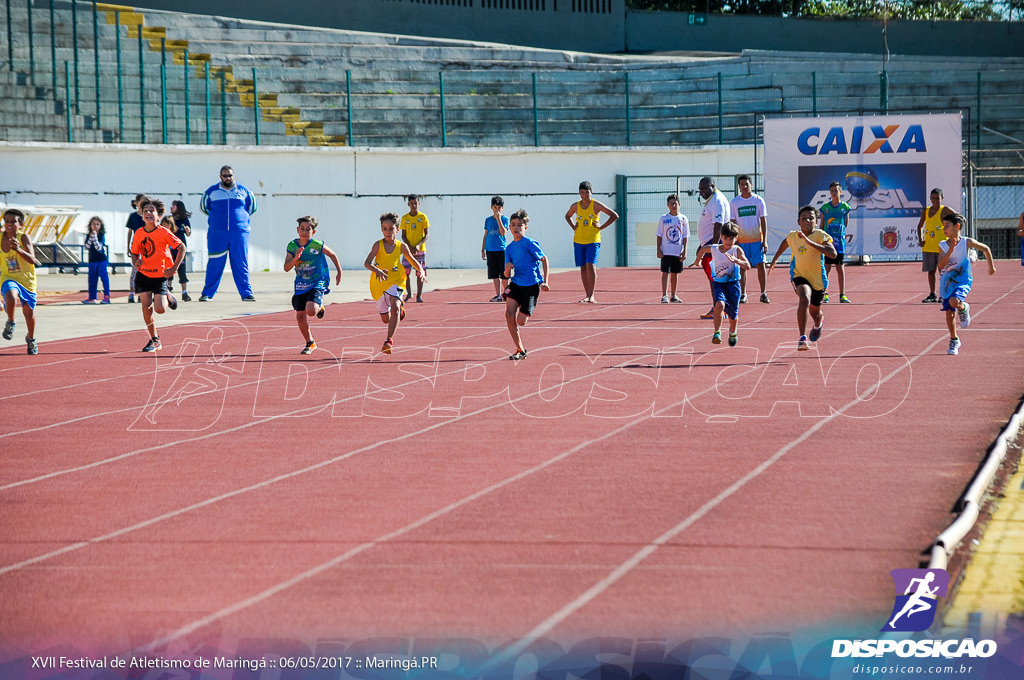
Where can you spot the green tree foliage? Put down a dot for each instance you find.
(930, 10)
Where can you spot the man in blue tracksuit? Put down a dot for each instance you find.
(228, 206)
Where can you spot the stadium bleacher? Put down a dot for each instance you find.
(331, 87)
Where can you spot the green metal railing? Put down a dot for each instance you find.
(663, 106)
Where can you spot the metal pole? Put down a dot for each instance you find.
(188, 119)
(142, 87)
(977, 108)
(883, 88)
(206, 84)
(814, 93)
(969, 211)
(256, 106)
(223, 111)
(67, 99)
(720, 122)
(163, 91)
(10, 38)
(53, 49)
(629, 141)
(536, 123)
(120, 84)
(31, 43)
(96, 52)
(74, 40)
(444, 133)
(348, 103)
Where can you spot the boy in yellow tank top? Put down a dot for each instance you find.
(929, 236)
(388, 283)
(584, 216)
(18, 276)
(415, 227)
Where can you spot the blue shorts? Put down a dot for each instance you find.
(960, 293)
(27, 298)
(586, 253)
(727, 292)
(753, 252)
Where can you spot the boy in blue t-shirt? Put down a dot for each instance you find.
(492, 249)
(525, 258)
(834, 218)
(308, 257)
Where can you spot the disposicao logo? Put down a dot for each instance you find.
(835, 140)
(916, 602)
(914, 610)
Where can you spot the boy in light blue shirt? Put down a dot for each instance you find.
(527, 266)
(492, 249)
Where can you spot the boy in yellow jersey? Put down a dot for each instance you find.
(929, 236)
(388, 283)
(414, 227)
(807, 268)
(586, 238)
(18, 276)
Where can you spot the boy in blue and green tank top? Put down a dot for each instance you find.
(308, 257)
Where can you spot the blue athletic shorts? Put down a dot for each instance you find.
(727, 292)
(753, 252)
(586, 253)
(960, 293)
(27, 298)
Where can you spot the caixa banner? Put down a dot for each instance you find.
(885, 167)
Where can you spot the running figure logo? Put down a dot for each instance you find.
(914, 609)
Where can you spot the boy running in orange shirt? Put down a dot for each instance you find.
(151, 256)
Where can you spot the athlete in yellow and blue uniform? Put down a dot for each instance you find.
(584, 216)
(18, 275)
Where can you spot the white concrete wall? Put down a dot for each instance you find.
(347, 189)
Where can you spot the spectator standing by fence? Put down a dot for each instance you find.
(96, 246)
(134, 223)
(183, 229)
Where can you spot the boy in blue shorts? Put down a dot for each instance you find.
(835, 216)
(749, 213)
(308, 257)
(527, 266)
(727, 260)
(955, 282)
(18, 275)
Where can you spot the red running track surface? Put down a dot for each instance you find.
(628, 478)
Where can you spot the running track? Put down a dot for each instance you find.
(628, 479)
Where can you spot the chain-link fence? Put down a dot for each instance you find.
(999, 198)
(642, 202)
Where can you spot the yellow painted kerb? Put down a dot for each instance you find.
(993, 584)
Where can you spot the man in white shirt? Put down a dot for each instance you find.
(709, 228)
(749, 213)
